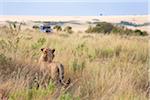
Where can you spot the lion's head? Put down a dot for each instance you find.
(48, 54)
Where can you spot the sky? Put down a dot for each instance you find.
(73, 7)
(73, 0)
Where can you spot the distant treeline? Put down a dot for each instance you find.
(133, 24)
(109, 28)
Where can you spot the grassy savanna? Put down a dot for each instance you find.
(101, 67)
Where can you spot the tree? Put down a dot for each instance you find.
(68, 29)
(57, 28)
(139, 32)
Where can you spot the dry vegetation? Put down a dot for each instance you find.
(101, 67)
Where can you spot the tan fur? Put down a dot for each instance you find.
(3, 95)
(55, 69)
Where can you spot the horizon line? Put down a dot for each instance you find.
(72, 15)
(83, 15)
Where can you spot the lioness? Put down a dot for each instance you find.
(56, 69)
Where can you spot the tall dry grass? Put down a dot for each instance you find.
(101, 67)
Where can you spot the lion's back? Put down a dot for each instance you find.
(57, 70)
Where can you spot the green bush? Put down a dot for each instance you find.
(35, 27)
(101, 27)
(57, 28)
(104, 27)
(108, 28)
(68, 29)
(139, 32)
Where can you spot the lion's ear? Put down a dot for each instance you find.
(53, 50)
(42, 49)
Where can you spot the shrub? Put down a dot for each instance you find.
(139, 32)
(107, 28)
(101, 27)
(68, 29)
(57, 28)
(104, 27)
(35, 27)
